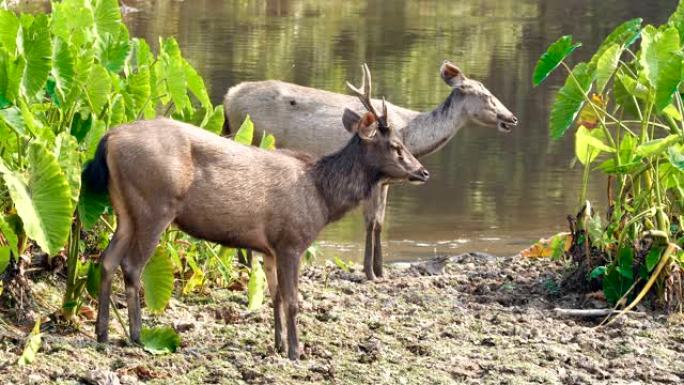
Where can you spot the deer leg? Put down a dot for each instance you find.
(288, 281)
(272, 280)
(145, 243)
(374, 216)
(109, 261)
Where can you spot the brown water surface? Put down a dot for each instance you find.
(489, 191)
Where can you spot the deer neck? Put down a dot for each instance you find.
(430, 131)
(343, 180)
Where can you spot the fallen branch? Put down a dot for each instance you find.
(588, 313)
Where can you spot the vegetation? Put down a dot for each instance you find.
(626, 105)
(65, 79)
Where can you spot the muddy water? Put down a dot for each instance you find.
(489, 191)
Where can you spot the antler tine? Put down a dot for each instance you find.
(365, 91)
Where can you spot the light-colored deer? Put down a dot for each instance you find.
(162, 171)
(307, 119)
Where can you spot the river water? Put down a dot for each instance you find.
(489, 191)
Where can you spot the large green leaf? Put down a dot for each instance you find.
(552, 58)
(139, 88)
(215, 120)
(10, 237)
(570, 98)
(676, 156)
(157, 281)
(605, 66)
(176, 83)
(657, 146)
(677, 20)
(107, 17)
(196, 85)
(624, 35)
(11, 72)
(245, 134)
(13, 118)
(4, 258)
(35, 44)
(43, 201)
(72, 21)
(268, 142)
(256, 286)
(98, 88)
(62, 67)
(661, 61)
(67, 154)
(113, 50)
(160, 340)
(9, 27)
(589, 144)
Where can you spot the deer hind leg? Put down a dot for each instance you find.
(272, 280)
(374, 217)
(142, 246)
(288, 282)
(109, 261)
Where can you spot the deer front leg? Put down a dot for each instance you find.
(374, 217)
(288, 282)
(272, 280)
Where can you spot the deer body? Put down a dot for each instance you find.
(162, 171)
(307, 119)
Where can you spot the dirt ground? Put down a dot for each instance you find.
(467, 319)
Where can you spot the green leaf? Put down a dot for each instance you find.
(569, 99)
(605, 66)
(5, 253)
(44, 201)
(245, 134)
(160, 340)
(661, 62)
(72, 21)
(615, 285)
(10, 237)
(176, 83)
(653, 257)
(256, 286)
(598, 271)
(196, 85)
(32, 346)
(11, 72)
(117, 111)
(67, 153)
(157, 281)
(35, 44)
(676, 156)
(215, 120)
(13, 118)
(625, 260)
(138, 86)
(677, 20)
(656, 146)
(268, 141)
(62, 67)
(93, 279)
(589, 144)
(623, 35)
(341, 264)
(113, 50)
(98, 88)
(551, 59)
(107, 16)
(9, 28)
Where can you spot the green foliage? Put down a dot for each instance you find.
(160, 340)
(643, 156)
(256, 286)
(553, 57)
(157, 279)
(245, 134)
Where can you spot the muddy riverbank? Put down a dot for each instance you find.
(467, 319)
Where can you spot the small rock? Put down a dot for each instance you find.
(102, 377)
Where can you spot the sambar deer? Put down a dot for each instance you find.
(162, 171)
(306, 119)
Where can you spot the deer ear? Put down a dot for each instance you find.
(350, 119)
(366, 128)
(451, 74)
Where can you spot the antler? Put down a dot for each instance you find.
(364, 95)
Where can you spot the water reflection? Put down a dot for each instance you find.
(489, 191)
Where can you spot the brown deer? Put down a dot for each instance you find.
(306, 119)
(162, 171)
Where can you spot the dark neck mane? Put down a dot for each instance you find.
(343, 180)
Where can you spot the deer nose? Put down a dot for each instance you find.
(424, 174)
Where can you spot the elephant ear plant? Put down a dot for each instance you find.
(65, 79)
(625, 108)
